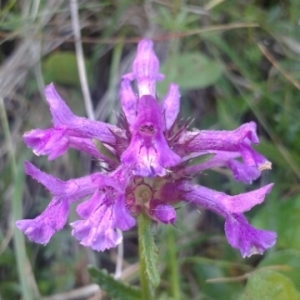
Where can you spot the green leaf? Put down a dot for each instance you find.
(115, 288)
(190, 71)
(289, 259)
(269, 285)
(61, 67)
(148, 250)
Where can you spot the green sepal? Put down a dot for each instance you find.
(200, 159)
(104, 150)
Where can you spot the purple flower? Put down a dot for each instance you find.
(240, 234)
(148, 153)
(55, 215)
(145, 69)
(149, 168)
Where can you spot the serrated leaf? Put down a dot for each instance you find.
(269, 285)
(113, 287)
(190, 71)
(149, 250)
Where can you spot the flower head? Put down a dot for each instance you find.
(148, 167)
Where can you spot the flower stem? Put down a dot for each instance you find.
(173, 265)
(143, 227)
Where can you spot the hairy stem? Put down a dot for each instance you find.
(143, 227)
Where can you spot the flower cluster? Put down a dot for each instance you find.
(148, 166)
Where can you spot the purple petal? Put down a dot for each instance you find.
(221, 203)
(86, 208)
(253, 158)
(148, 112)
(53, 184)
(61, 113)
(244, 202)
(249, 240)
(50, 142)
(223, 140)
(36, 230)
(98, 230)
(110, 186)
(98, 237)
(55, 215)
(118, 179)
(41, 229)
(103, 213)
(128, 101)
(171, 105)
(56, 141)
(70, 131)
(242, 172)
(237, 141)
(123, 220)
(149, 153)
(73, 189)
(239, 233)
(77, 126)
(163, 213)
(145, 69)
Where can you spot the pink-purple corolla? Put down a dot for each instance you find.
(148, 167)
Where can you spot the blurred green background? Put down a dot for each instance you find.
(234, 61)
